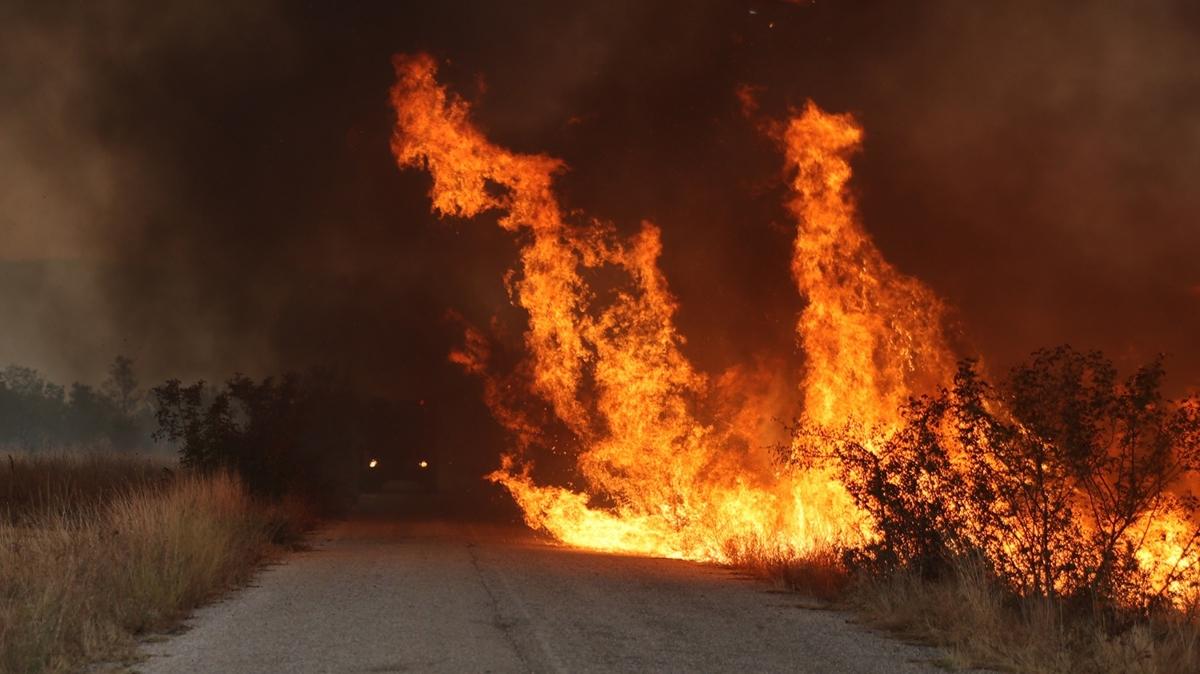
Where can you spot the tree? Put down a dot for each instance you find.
(287, 435)
(31, 409)
(121, 385)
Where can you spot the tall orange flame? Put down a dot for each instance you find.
(871, 336)
(659, 480)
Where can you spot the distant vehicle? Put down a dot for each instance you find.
(399, 457)
(396, 473)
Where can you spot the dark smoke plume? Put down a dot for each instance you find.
(210, 190)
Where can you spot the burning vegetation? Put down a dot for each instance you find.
(1064, 480)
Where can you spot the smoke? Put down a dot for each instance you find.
(87, 176)
(47, 267)
(1051, 152)
(211, 191)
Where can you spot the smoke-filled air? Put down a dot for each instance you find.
(600, 336)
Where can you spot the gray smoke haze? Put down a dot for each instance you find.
(210, 190)
(58, 187)
(74, 189)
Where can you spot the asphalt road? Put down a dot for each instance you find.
(400, 589)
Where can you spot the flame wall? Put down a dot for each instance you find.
(660, 477)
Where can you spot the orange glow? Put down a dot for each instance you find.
(372, 463)
(871, 336)
(422, 464)
(676, 462)
(673, 484)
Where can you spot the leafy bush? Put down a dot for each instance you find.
(1067, 481)
(288, 436)
(906, 481)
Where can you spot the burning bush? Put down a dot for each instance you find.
(906, 482)
(1068, 482)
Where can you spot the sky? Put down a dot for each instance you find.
(210, 190)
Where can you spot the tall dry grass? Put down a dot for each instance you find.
(34, 483)
(109, 548)
(979, 623)
(819, 572)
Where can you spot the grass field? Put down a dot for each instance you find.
(980, 624)
(98, 549)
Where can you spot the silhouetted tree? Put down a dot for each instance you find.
(287, 435)
(121, 385)
(32, 410)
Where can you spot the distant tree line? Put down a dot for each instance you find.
(303, 435)
(36, 414)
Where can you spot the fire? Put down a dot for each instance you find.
(675, 462)
(659, 479)
(871, 336)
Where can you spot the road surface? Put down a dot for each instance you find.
(384, 592)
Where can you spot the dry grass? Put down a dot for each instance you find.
(33, 484)
(819, 573)
(99, 554)
(978, 624)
